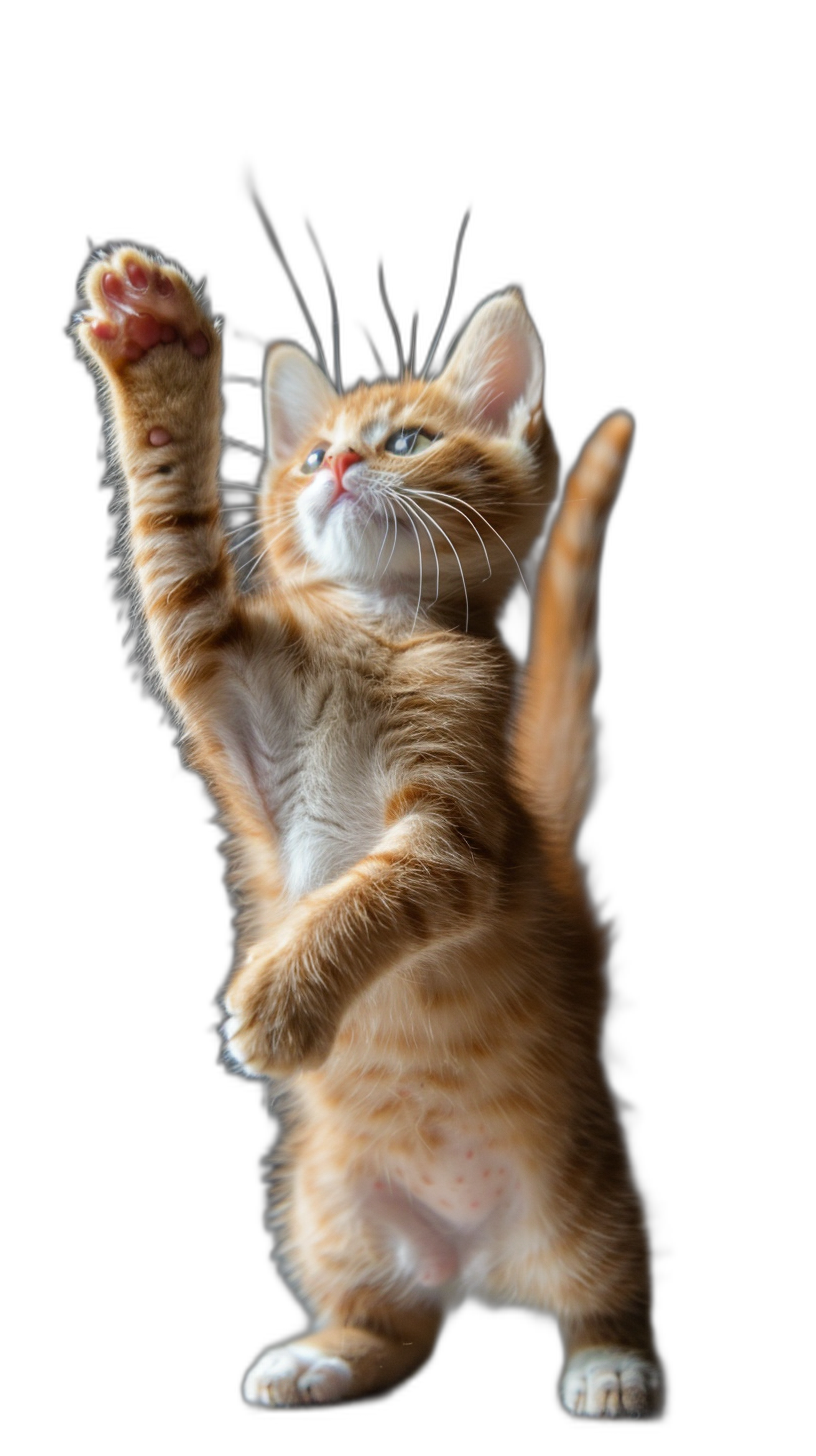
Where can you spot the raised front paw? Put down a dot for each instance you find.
(137, 305)
(280, 1018)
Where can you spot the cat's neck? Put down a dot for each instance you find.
(396, 615)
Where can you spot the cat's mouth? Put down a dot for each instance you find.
(352, 497)
(346, 486)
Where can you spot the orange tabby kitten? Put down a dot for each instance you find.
(418, 966)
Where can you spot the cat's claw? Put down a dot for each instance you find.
(137, 304)
(610, 1382)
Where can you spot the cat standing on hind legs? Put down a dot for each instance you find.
(418, 965)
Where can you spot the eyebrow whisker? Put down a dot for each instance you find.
(392, 321)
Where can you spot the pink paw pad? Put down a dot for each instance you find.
(145, 330)
(137, 277)
(113, 286)
(142, 307)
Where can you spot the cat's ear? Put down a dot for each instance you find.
(496, 366)
(297, 399)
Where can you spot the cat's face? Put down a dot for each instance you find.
(424, 490)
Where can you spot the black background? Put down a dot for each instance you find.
(162, 1178)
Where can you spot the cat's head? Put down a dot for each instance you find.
(421, 491)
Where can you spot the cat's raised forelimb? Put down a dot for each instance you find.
(282, 1009)
(422, 884)
(157, 352)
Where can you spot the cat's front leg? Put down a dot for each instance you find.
(424, 882)
(150, 339)
(283, 1004)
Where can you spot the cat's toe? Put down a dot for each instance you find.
(296, 1375)
(272, 1028)
(237, 1047)
(611, 1382)
(273, 1049)
(136, 304)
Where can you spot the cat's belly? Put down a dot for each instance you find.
(445, 1201)
(463, 1181)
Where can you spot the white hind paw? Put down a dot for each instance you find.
(610, 1382)
(296, 1375)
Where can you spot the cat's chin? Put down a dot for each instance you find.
(360, 544)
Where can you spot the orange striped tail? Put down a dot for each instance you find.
(554, 741)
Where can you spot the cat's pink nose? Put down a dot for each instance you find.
(339, 464)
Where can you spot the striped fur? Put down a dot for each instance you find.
(554, 738)
(418, 967)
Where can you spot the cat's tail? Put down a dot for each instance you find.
(554, 740)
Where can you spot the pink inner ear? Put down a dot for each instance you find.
(505, 369)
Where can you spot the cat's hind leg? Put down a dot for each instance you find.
(376, 1312)
(610, 1366)
(579, 1251)
(370, 1344)
(607, 1380)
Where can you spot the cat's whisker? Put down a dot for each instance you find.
(272, 540)
(392, 321)
(496, 533)
(444, 533)
(338, 382)
(369, 519)
(434, 522)
(377, 357)
(389, 513)
(409, 367)
(386, 533)
(239, 550)
(419, 555)
(443, 501)
(241, 379)
(396, 537)
(281, 256)
(411, 509)
(230, 442)
(237, 530)
(255, 564)
(239, 485)
(449, 300)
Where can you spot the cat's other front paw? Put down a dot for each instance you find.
(279, 1019)
(136, 305)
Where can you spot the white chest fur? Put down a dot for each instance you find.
(325, 784)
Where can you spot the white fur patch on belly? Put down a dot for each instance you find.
(437, 1199)
(463, 1181)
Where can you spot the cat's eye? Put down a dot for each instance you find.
(410, 440)
(314, 460)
